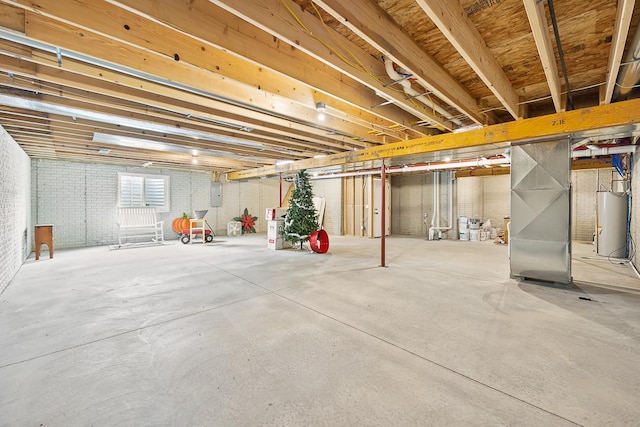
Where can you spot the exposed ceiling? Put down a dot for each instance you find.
(138, 82)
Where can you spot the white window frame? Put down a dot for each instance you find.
(165, 207)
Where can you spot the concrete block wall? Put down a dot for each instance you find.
(411, 199)
(487, 197)
(583, 209)
(470, 197)
(256, 195)
(80, 200)
(16, 229)
(331, 190)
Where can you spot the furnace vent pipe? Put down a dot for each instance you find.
(629, 73)
(435, 220)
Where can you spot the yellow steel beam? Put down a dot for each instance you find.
(553, 125)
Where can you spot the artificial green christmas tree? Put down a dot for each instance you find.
(302, 217)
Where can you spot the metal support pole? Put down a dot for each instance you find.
(383, 190)
(280, 191)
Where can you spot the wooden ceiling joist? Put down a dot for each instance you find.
(107, 20)
(301, 30)
(213, 25)
(453, 22)
(80, 84)
(620, 33)
(540, 30)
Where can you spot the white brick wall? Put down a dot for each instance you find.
(496, 198)
(583, 204)
(476, 197)
(411, 198)
(80, 200)
(331, 190)
(15, 208)
(470, 197)
(488, 197)
(485, 197)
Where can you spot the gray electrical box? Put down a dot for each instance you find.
(216, 194)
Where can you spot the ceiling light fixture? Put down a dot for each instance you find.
(104, 151)
(147, 164)
(321, 108)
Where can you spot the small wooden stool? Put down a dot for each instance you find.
(44, 235)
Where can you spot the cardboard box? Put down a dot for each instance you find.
(275, 214)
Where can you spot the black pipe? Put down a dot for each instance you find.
(561, 54)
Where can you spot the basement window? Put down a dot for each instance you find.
(136, 189)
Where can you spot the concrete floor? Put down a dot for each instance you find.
(232, 333)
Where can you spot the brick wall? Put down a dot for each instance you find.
(470, 197)
(80, 200)
(256, 195)
(15, 208)
(583, 204)
(476, 197)
(487, 197)
(411, 199)
(331, 190)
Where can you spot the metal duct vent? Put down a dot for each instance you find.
(540, 230)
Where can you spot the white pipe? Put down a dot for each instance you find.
(450, 200)
(604, 151)
(438, 196)
(453, 165)
(432, 167)
(437, 227)
(435, 218)
(406, 85)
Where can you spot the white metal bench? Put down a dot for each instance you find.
(139, 222)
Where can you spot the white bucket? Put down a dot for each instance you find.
(464, 234)
(474, 223)
(474, 235)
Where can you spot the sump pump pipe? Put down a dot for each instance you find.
(406, 86)
(435, 220)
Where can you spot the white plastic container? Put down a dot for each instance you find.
(463, 223)
(474, 235)
(464, 234)
(474, 223)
